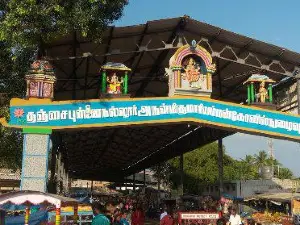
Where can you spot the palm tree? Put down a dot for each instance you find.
(261, 159)
(249, 167)
(249, 160)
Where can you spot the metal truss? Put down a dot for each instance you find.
(234, 56)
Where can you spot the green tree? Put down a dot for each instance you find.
(10, 147)
(249, 170)
(26, 23)
(285, 173)
(261, 159)
(201, 166)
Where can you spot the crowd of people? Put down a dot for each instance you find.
(133, 213)
(112, 213)
(117, 214)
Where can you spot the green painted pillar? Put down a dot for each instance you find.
(270, 93)
(104, 82)
(125, 89)
(249, 94)
(252, 93)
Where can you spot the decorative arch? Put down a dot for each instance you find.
(186, 50)
(179, 74)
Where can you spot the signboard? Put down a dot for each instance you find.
(199, 216)
(117, 112)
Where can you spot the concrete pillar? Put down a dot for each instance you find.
(134, 182)
(220, 166)
(35, 162)
(181, 175)
(298, 94)
(144, 178)
(2, 217)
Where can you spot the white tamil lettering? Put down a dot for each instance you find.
(144, 111)
(42, 116)
(54, 115)
(31, 117)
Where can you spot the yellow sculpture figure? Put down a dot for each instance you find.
(114, 85)
(192, 72)
(263, 93)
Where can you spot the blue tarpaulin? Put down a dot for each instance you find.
(83, 199)
(232, 197)
(13, 207)
(35, 219)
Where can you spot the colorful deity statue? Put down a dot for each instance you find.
(114, 79)
(263, 92)
(190, 71)
(114, 85)
(257, 91)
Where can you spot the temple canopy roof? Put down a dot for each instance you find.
(147, 49)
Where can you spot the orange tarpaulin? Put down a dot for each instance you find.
(296, 207)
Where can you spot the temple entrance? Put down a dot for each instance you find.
(191, 94)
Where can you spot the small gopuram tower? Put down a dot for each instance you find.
(114, 80)
(40, 87)
(190, 71)
(40, 80)
(260, 91)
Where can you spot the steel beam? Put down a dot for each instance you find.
(179, 28)
(188, 143)
(74, 75)
(86, 76)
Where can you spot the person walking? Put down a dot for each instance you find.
(234, 218)
(138, 217)
(99, 215)
(163, 212)
(168, 219)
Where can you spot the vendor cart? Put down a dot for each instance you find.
(44, 200)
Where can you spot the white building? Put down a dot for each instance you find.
(246, 188)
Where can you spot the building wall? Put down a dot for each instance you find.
(286, 99)
(213, 189)
(9, 180)
(250, 187)
(88, 183)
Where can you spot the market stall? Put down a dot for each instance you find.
(28, 199)
(272, 208)
(85, 215)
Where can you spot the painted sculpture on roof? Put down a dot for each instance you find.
(40, 80)
(115, 79)
(259, 89)
(190, 71)
(114, 84)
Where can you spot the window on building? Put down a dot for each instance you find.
(227, 188)
(216, 188)
(233, 187)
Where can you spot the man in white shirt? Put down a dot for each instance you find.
(234, 219)
(164, 212)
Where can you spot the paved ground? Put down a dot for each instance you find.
(151, 222)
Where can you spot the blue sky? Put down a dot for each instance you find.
(272, 21)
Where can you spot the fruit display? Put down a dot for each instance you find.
(267, 217)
